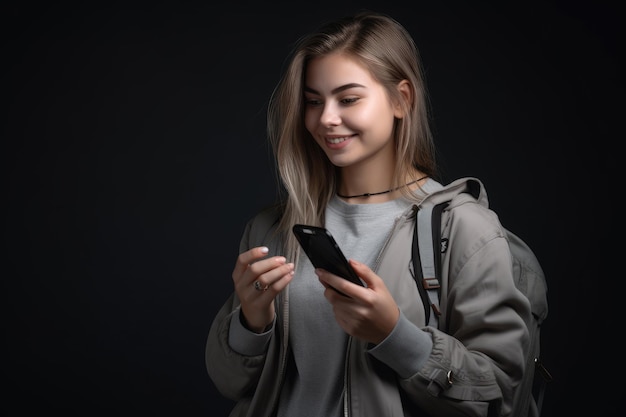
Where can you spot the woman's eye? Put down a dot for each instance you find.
(349, 100)
(318, 102)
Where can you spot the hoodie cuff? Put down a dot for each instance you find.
(247, 342)
(406, 349)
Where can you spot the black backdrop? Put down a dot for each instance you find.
(135, 150)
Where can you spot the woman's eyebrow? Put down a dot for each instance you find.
(336, 90)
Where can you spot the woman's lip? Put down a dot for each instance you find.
(336, 139)
(337, 142)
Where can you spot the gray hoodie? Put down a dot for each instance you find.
(478, 352)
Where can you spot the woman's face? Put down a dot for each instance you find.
(348, 112)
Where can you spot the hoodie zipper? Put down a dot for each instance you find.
(346, 379)
(283, 300)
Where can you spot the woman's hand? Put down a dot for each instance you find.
(257, 281)
(368, 313)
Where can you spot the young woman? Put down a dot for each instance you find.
(348, 123)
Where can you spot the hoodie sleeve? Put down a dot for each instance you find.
(234, 357)
(478, 354)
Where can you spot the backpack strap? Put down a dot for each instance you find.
(427, 258)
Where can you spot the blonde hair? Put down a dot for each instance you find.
(380, 44)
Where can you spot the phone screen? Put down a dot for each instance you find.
(323, 252)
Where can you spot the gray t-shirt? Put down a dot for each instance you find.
(314, 384)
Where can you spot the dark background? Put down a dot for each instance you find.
(135, 151)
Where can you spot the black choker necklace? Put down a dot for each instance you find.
(382, 192)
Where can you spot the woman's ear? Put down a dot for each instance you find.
(406, 95)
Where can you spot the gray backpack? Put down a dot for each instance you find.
(529, 279)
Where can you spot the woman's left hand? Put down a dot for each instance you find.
(369, 313)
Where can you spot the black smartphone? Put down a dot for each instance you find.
(323, 252)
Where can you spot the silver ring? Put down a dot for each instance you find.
(257, 286)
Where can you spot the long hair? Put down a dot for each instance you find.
(383, 46)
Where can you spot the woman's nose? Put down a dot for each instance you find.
(330, 116)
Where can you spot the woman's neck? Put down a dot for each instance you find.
(371, 188)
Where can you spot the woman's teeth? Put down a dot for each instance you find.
(336, 140)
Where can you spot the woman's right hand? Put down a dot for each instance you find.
(257, 282)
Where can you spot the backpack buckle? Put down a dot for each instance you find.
(431, 283)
